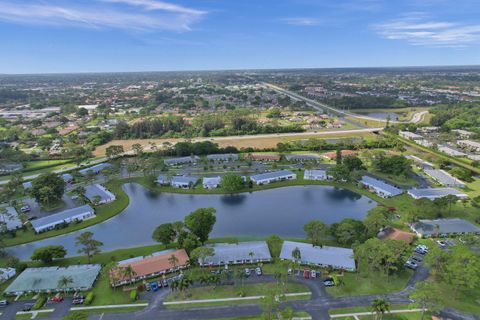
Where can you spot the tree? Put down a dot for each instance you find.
(48, 253)
(200, 222)
(427, 295)
(380, 306)
(396, 165)
(89, 246)
(338, 157)
(201, 253)
(353, 163)
(296, 254)
(316, 231)
(232, 183)
(79, 191)
(173, 260)
(114, 151)
(188, 241)
(137, 149)
(450, 200)
(128, 272)
(270, 302)
(64, 281)
(164, 234)
(348, 231)
(47, 188)
(339, 173)
(375, 220)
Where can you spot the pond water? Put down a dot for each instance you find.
(381, 115)
(281, 211)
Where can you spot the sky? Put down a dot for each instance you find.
(60, 36)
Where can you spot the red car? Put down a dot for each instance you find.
(57, 299)
(306, 274)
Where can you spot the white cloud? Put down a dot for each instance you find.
(302, 21)
(417, 30)
(149, 16)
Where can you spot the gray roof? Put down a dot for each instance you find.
(445, 226)
(180, 160)
(211, 180)
(381, 185)
(433, 193)
(27, 185)
(184, 180)
(223, 156)
(162, 179)
(231, 252)
(58, 217)
(302, 157)
(451, 151)
(11, 219)
(271, 175)
(443, 177)
(97, 190)
(67, 177)
(327, 256)
(46, 279)
(315, 173)
(96, 168)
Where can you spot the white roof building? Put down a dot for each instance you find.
(183, 181)
(11, 219)
(338, 258)
(451, 152)
(97, 190)
(380, 187)
(237, 253)
(444, 178)
(7, 273)
(269, 177)
(409, 135)
(443, 227)
(302, 157)
(95, 169)
(316, 175)
(211, 182)
(223, 157)
(181, 160)
(469, 144)
(434, 193)
(67, 216)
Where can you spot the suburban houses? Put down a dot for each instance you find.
(237, 253)
(409, 135)
(451, 152)
(380, 187)
(333, 155)
(211, 182)
(335, 257)
(302, 157)
(263, 157)
(10, 219)
(98, 194)
(184, 182)
(435, 193)
(269, 177)
(443, 227)
(181, 160)
(96, 169)
(444, 178)
(70, 215)
(158, 263)
(469, 145)
(224, 157)
(316, 175)
(7, 273)
(46, 279)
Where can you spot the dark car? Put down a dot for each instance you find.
(416, 258)
(27, 307)
(3, 303)
(78, 301)
(328, 282)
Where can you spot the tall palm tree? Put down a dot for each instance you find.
(173, 260)
(380, 306)
(64, 281)
(128, 273)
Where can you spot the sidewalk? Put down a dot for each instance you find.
(232, 299)
(356, 314)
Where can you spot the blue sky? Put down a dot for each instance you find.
(150, 35)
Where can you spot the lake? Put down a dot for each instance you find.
(281, 211)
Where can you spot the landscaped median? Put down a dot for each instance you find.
(33, 314)
(396, 312)
(229, 295)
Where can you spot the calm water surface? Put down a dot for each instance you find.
(282, 211)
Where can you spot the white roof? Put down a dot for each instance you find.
(271, 175)
(212, 180)
(381, 186)
(225, 252)
(443, 177)
(451, 151)
(61, 216)
(470, 143)
(328, 256)
(433, 193)
(11, 218)
(98, 190)
(184, 180)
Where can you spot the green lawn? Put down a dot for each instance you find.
(359, 284)
(466, 300)
(367, 309)
(298, 314)
(230, 291)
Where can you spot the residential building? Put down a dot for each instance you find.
(450, 151)
(50, 222)
(474, 157)
(46, 279)
(428, 129)
(97, 191)
(425, 143)
(434, 193)
(67, 177)
(302, 157)
(163, 180)
(96, 169)
(409, 135)
(10, 167)
(181, 160)
(224, 157)
(269, 177)
(316, 175)
(335, 257)
(443, 227)
(420, 162)
(444, 178)
(380, 187)
(333, 155)
(27, 185)
(7, 273)
(183, 181)
(211, 182)
(237, 253)
(469, 145)
(11, 219)
(464, 134)
(263, 157)
(158, 263)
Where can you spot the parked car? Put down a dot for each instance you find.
(165, 282)
(25, 209)
(416, 258)
(289, 271)
(313, 274)
(75, 197)
(78, 301)
(421, 250)
(32, 218)
(56, 299)
(306, 274)
(248, 272)
(411, 264)
(441, 243)
(258, 271)
(27, 307)
(154, 286)
(3, 303)
(328, 282)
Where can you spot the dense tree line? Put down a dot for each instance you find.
(457, 116)
(365, 102)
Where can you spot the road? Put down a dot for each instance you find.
(417, 117)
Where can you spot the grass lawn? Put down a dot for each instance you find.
(467, 300)
(358, 284)
(298, 314)
(107, 310)
(230, 291)
(472, 188)
(367, 309)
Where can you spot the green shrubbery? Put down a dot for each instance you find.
(89, 298)
(133, 295)
(39, 303)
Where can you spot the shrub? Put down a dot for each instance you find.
(133, 295)
(89, 298)
(39, 303)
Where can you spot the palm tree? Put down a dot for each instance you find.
(296, 254)
(380, 306)
(64, 281)
(240, 275)
(251, 254)
(173, 260)
(128, 273)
